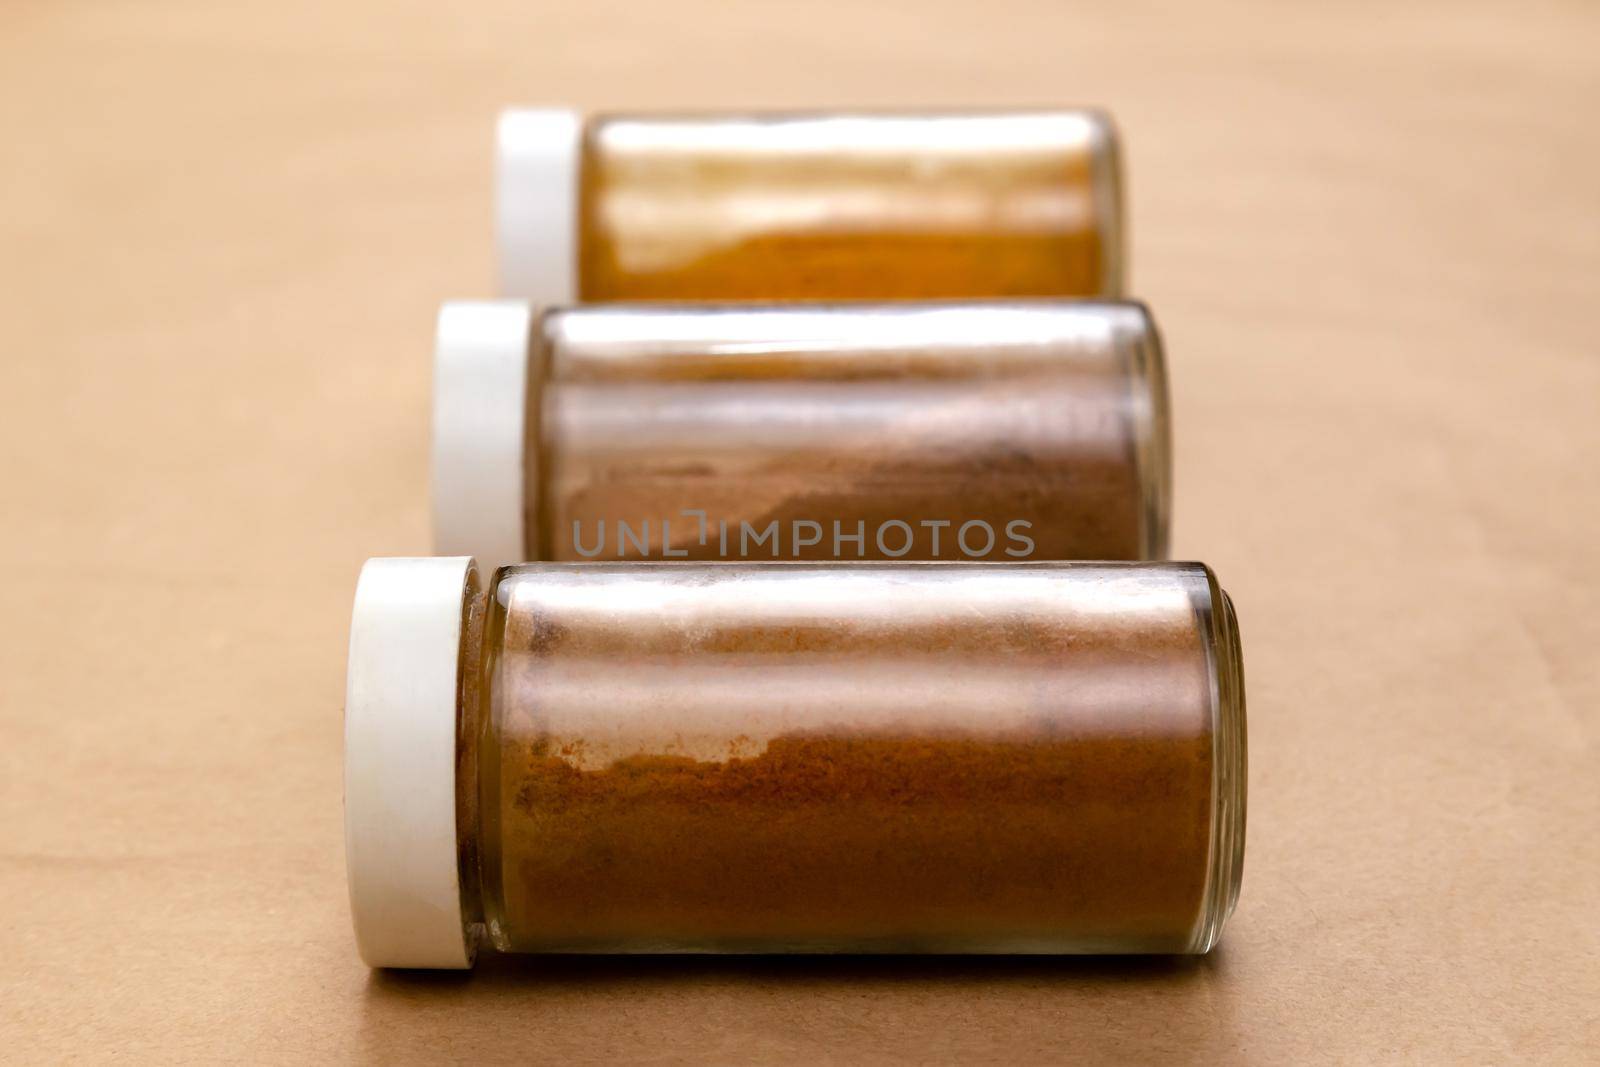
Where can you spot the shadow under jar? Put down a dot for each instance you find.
(986, 430)
(843, 206)
(972, 758)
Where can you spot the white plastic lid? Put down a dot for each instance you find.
(536, 203)
(400, 763)
(480, 401)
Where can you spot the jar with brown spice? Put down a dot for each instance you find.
(963, 430)
(808, 206)
(658, 757)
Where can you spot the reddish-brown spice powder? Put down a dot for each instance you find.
(624, 813)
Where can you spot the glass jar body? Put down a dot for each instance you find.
(962, 431)
(890, 758)
(909, 206)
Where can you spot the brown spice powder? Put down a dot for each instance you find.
(659, 788)
(945, 843)
(1055, 422)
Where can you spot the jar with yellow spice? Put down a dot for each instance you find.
(808, 206)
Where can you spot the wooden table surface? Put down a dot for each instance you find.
(1371, 233)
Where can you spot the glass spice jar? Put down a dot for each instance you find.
(824, 206)
(971, 758)
(1025, 429)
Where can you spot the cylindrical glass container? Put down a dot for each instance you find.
(820, 207)
(988, 430)
(1008, 757)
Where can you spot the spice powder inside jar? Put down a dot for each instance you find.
(1043, 421)
(909, 206)
(994, 758)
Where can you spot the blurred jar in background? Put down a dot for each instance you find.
(983, 430)
(819, 207)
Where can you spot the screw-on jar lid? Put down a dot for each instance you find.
(400, 763)
(480, 412)
(536, 203)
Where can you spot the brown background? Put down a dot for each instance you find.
(1372, 237)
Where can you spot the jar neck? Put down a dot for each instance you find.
(471, 688)
(536, 532)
